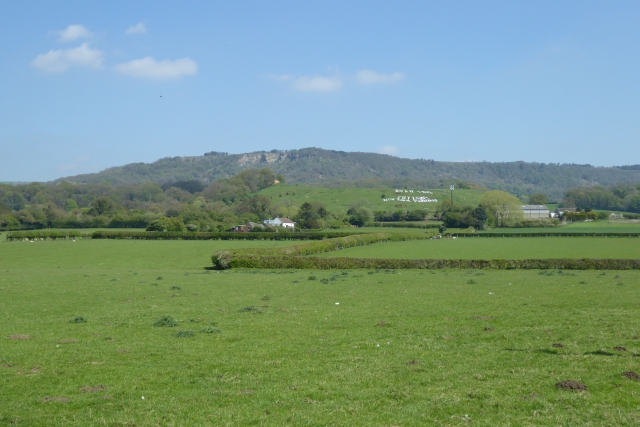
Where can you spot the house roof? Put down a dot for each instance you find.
(285, 220)
(535, 208)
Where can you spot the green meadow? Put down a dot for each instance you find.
(340, 199)
(500, 248)
(621, 227)
(307, 348)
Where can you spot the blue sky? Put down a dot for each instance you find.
(88, 85)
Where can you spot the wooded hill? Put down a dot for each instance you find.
(354, 169)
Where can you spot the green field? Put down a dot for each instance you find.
(340, 199)
(500, 248)
(366, 348)
(577, 227)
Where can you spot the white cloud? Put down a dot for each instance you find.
(74, 32)
(151, 69)
(57, 61)
(317, 83)
(136, 29)
(367, 77)
(388, 149)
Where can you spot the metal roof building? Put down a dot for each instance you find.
(535, 211)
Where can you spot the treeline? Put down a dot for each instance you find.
(181, 206)
(188, 205)
(619, 197)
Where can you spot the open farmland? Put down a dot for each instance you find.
(595, 227)
(276, 348)
(340, 199)
(500, 248)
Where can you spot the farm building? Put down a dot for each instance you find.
(535, 211)
(280, 222)
(559, 211)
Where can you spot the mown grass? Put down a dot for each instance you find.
(400, 347)
(500, 248)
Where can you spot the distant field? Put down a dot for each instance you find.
(361, 348)
(499, 248)
(340, 199)
(576, 227)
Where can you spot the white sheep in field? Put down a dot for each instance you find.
(454, 237)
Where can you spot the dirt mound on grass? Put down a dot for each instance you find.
(631, 375)
(489, 329)
(571, 385)
(619, 348)
(413, 362)
(55, 399)
(19, 337)
(557, 345)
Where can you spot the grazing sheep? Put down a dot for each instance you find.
(454, 237)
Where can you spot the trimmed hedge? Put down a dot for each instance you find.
(226, 258)
(179, 235)
(546, 234)
(382, 263)
(403, 224)
(45, 234)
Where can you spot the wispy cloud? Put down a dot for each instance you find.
(57, 61)
(160, 70)
(368, 77)
(388, 149)
(73, 33)
(317, 83)
(136, 29)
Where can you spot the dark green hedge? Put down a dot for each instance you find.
(381, 263)
(45, 234)
(179, 235)
(403, 224)
(546, 234)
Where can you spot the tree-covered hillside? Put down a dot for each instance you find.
(339, 168)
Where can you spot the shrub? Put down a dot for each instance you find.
(78, 319)
(166, 322)
(210, 330)
(185, 334)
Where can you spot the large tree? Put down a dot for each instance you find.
(506, 207)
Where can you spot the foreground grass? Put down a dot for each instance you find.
(500, 248)
(400, 348)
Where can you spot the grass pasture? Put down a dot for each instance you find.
(357, 348)
(593, 227)
(340, 199)
(500, 248)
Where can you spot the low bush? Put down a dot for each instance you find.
(178, 235)
(78, 319)
(166, 322)
(45, 234)
(185, 334)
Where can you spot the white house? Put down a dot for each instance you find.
(280, 222)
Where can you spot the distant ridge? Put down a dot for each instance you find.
(331, 168)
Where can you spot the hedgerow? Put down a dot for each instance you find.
(225, 259)
(393, 263)
(45, 234)
(178, 235)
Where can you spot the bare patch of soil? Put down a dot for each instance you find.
(122, 351)
(106, 397)
(217, 391)
(35, 369)
(631, 375)
(381, 323)
(19, 337)
(413, 362)
(6, 365)
(489, 329)
(307, 400)
(90, 389)
(620, 348)
(557, 345)
(571, 385)
(55, 399)
(68, 341)
(531, 396)
(247, 391)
